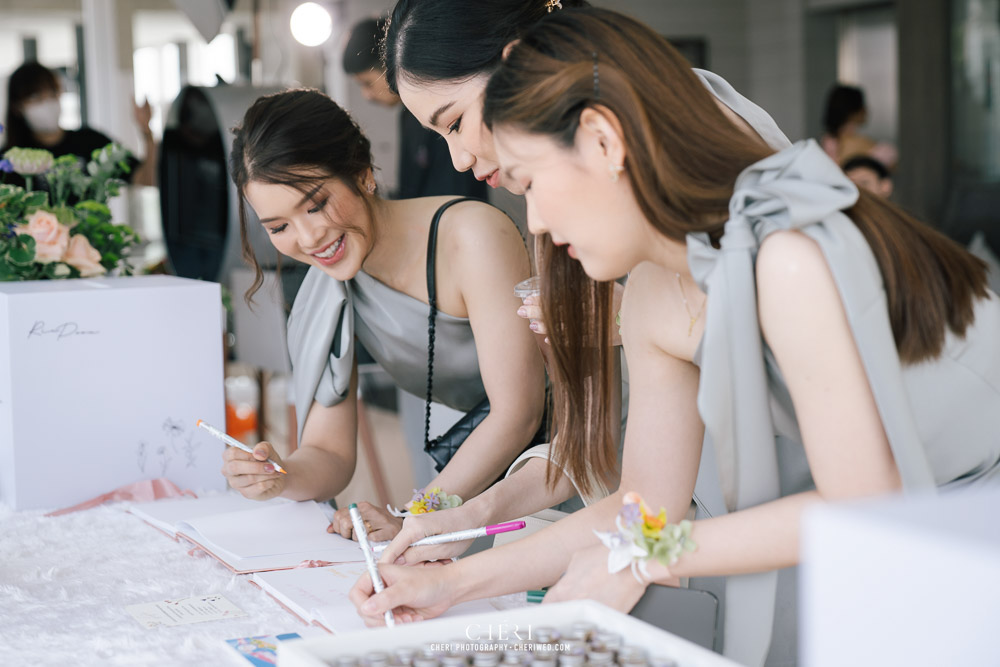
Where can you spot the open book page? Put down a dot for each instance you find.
(271, 537)
(320, 594)
(166, 514)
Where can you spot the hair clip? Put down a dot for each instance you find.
(597, 78)
(553, 4)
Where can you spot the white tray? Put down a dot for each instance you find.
(320, 651)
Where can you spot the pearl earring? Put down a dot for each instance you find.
(371, 188)
(615, 170)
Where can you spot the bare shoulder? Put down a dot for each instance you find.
(474, 229)
(794, 284)
(789, 261)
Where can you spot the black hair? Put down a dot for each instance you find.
(455, 40)
(866, 162)
(842, 102)
(26, 81)
(296, 138)
(362, 51)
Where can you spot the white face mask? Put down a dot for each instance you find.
(43, 117)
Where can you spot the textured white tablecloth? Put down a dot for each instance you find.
(65, 582)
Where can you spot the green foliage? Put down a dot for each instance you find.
(90, 217)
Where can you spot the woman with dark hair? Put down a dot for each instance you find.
(314, 193)
(842, 120)
(33, 122)
(828, 345)
(439, 55)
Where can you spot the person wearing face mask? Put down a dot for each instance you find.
(803, 341)
(33, 122)
(424, 167)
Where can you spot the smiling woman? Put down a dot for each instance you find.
(304, 166)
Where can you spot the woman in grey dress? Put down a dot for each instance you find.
(439, 55)
(827, 345)
(305, 167)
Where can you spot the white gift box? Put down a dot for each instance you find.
(101, 383)
(517, 627)
(905, 581)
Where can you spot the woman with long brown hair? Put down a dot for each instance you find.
(828, 345)
(439, 54)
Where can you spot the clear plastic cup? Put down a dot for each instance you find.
(530, 287)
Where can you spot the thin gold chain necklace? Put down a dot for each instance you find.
(687, 306)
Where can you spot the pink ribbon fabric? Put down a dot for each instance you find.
(144, 491)
(313, 563)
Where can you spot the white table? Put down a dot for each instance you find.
(65, 582)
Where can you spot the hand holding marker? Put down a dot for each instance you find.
(366, 549)
(229, 440)
(457, 536)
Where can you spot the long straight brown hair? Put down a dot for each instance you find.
(683, 158)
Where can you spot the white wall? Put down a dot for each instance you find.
(722, 23)
(776, 57)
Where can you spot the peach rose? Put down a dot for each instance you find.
(51, 236)
(83, 257)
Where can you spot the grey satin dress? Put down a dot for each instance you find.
(942, 417)
(328, 314)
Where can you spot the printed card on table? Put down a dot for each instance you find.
(197, 609)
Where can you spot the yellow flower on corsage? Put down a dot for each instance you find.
(642, 536)
(431, 501)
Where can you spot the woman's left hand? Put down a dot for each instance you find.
(587, 577)
(381, 525)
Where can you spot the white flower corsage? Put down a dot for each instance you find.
(642, 536)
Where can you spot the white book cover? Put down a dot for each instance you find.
(274, 537)
(165, 514)
(320, 595)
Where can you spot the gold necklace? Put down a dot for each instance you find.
(687, 307)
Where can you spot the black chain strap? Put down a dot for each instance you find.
(432, 313)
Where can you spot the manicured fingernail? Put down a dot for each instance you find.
(268, 467)
(522, 312)
(399, 561)
(533, 326)
(368, 607)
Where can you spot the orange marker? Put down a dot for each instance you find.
(229, 440)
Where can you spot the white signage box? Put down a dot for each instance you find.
(101, 383)
(904, 581)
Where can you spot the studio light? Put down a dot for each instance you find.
(311, 24)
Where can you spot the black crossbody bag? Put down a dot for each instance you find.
(442, 448)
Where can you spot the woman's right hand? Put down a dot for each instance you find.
(418, 526)
(252, 475)
(531, 310)
(412, 593)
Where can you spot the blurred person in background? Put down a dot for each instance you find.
(845, 114)
(868, 173)
(425, 167)
(33, 111)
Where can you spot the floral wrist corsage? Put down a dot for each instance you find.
(428, 501)
(642, 536)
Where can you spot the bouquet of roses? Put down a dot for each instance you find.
(65, 230)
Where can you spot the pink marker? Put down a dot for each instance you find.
(458, 535)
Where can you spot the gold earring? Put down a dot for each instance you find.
(616, 170)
